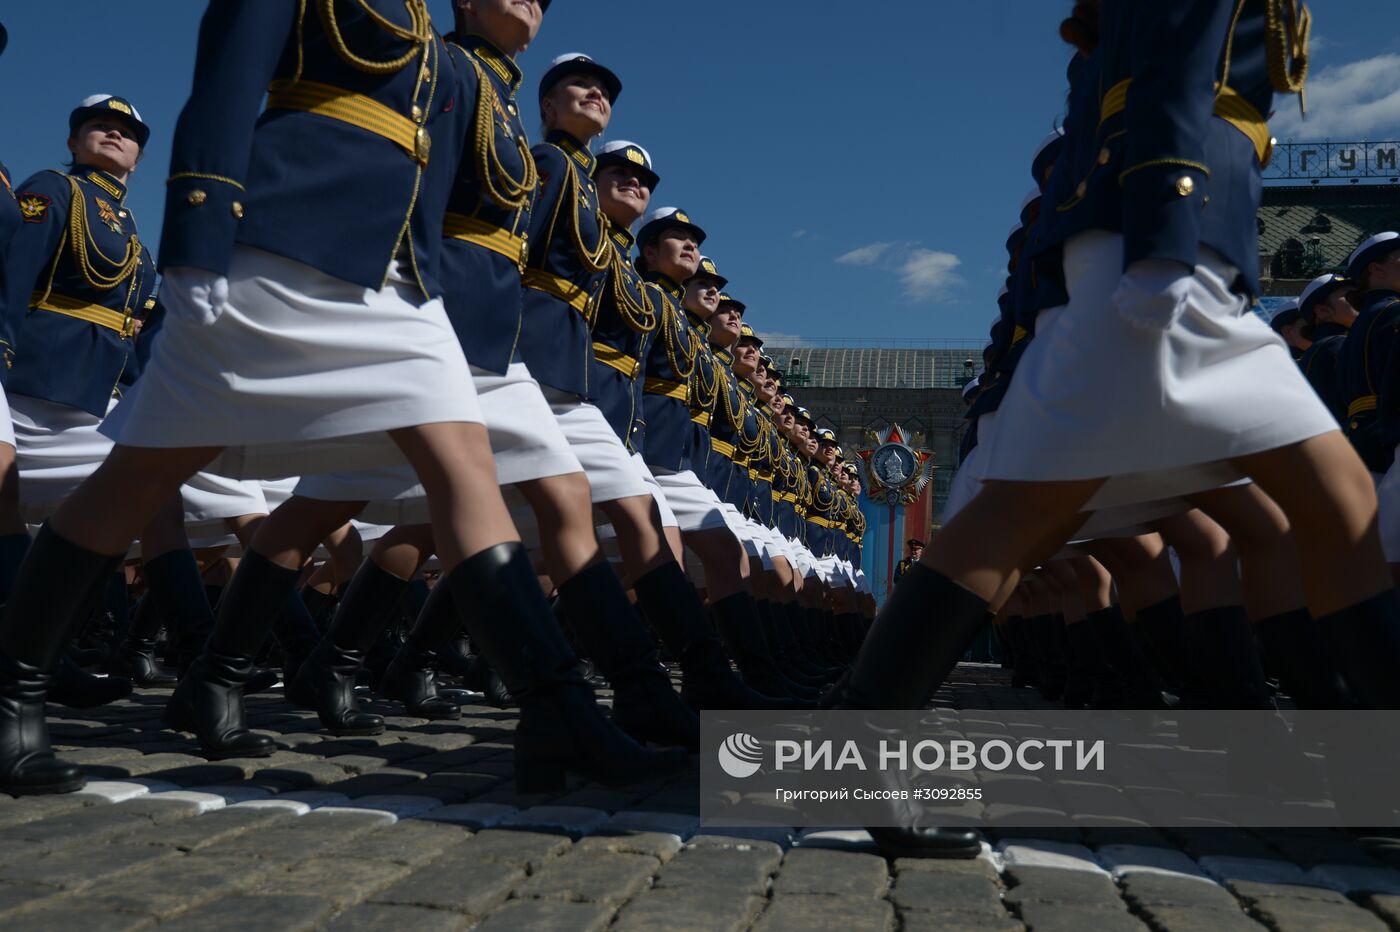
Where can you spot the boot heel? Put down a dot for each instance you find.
(540, 775)
(179, 710)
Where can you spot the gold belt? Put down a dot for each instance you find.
(617, 359)
(1364, 403)
(561, 288)
(122, 323)
(358, 110)
(702, 418)
(677, 390)
(486, 235)
(1019, 334)
(1229, 106)
(790, 497)
(720, 446)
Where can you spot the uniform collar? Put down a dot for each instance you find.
(572, 148)
(1328, 329)
(103, 180)
(505, 67)
(622, 238)
(667, 285)
(746, 386)
(722, 354)
(1379, 296)
(697, 321)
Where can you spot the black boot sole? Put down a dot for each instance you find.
(177, 721)
(43, 789)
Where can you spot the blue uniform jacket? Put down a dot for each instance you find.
(568, 259)
(488, 209)
(626, 320)
(726, 420)
(670, 363)
(1367, 375)
(77, 279)
(1177, 164)
(294, 181)
(10, 220)
(1321, 367)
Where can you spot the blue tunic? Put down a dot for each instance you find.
(626, 322)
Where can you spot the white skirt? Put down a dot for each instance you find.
(58, 446)
(611, 473)
(695, 505)
(7, 430)
(1157, 412)
(292, 371)
(526, 442)
(1389, 494)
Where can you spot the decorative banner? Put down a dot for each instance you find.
(896, 472)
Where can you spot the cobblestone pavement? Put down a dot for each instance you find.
(420, 828)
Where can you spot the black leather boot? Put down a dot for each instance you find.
(673, 607)
(1089, 674)
(135, 657)
(783, 646)
(321, 606)
(789, 623)
(1367, 640)
(482, 678)
(78, 689)
(645, 705)
(737, 619)
(296, 634)
(412, 674)
(1293, 649)
(326, 681)
(1161, 632)
(1027, 672)
(561, 727)
(209, 699)
(1049, 646)
(1226, 659)
(173, 580)
(13, 547)
(53, 591)
(455, 655)
(919, 636)
(1140, 687)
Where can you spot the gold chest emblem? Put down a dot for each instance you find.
(108, 215)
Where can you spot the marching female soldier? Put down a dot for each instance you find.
(266, 231)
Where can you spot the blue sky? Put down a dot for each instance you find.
(856, 165)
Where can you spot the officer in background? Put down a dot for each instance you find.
(1288, 323)
(913, 550)
(1375, 268)
(1325, 308)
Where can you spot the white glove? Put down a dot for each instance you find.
(1153, 293)
(194, 295)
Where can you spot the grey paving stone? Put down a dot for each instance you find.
(682, 825)
(574, 821)
(523, 850)
(956, 893)
(16, 895)
(302, 775)
(413, 842)
(172, 885)
(475, 816)
(839, 873)
(467, 887)
(687, 910)
(148, 764)
(381, 917)
(296, 839)
(1141, 890)
(548, 914)
(1042, 916)
(32, 808)
(1293, 915)
(659, 845)
(406, 806)
(74, 868)
(241, 912)
(1252, 891)
(67, 916)
(1353, 879)
(806, 913)
(978, 866)
(957, 922)
(442, 741)
(590, 877)
(1197, 919)
(207, 829)
(1052, 885)
(341, 880)
(734, 871)
(1386, 905)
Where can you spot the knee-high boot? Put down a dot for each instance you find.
(741, 629)
(173, 579)
(673, 607)
(561, 728)
(48, 602)
(919, 636)
(1293, 648)
(411, 676)
(645, 705)
(1367, 638)
(326, 681)
(135, 656)
(209, 699)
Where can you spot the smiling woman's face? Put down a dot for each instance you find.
(578, 105)
(106, 143)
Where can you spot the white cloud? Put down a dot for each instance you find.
(927, 273)
(798, 234)
(1357, 100)
(784, 340)
(865, 255)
